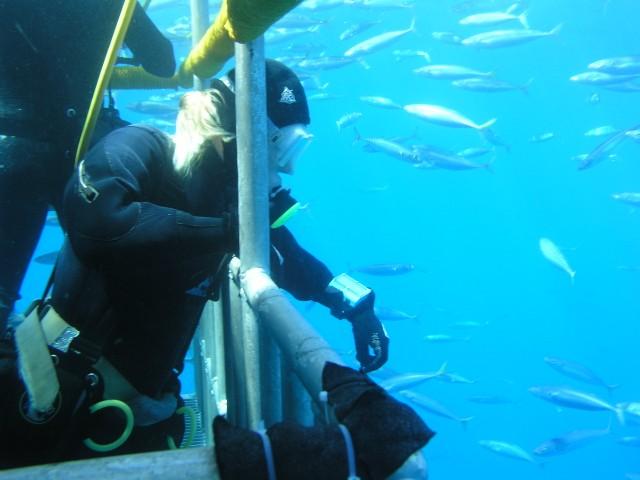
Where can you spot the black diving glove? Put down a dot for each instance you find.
(369, 333)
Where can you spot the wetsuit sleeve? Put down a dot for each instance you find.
(149, 47)
(132, 217)
(297, 271)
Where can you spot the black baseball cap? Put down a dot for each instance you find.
(286, 100)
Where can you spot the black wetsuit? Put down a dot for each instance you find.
(143, 249)
(51, 52)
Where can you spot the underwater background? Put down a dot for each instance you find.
(478, 293)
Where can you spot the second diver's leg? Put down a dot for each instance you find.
(23, 209)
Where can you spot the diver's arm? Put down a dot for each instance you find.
(297, 271)
(126, 170)
(149, 47)
(307, 278)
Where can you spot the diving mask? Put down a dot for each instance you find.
(287, 144)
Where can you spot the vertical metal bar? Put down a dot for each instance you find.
(271, 379)
(251, 134)
(203, 341)
(253, 174)
(234, 356)
(209, 366)
(199, 24)
(203, 375)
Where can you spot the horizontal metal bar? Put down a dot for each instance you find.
(191, 463)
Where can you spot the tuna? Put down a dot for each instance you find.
(509, 450)
(450, 72)
(378, 42)
(632, 198)
(577, 371)
(569, 441)
(444, 116)
(410, 380)
(566, 397)
(506, 38)
(432, 406)
(496, 18)
(551, 252)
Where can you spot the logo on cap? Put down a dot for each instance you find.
(287, 96)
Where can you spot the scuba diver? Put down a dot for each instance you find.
(51, 53)
(151, 222)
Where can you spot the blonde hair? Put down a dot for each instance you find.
(203, 116)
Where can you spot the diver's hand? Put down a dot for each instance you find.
(368, 332)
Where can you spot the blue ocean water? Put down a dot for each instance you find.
(473, 235)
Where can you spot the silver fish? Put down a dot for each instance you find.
(506, 449)
(569, 441)
(382, 102)
(432, 406)
(601, 78)
(578, 371)
(378, 42)
(348, 119)
(357, 28)
(389, 147)
(496, 18)
(617, 65)
(542, 137)
(444, 116)
(566, 397)
(603, 150)
(325, 63)
(632, 198)
(449, 72)
(410, 53)
(489, 85)
(473, 152)
(633, 134)
(404, 381)
(551, 252)
(506, 38)
(434, 158)
(601, 131)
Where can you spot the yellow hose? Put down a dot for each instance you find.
(238, 21)
(105, 73)
(248, 19)
(128, 78)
